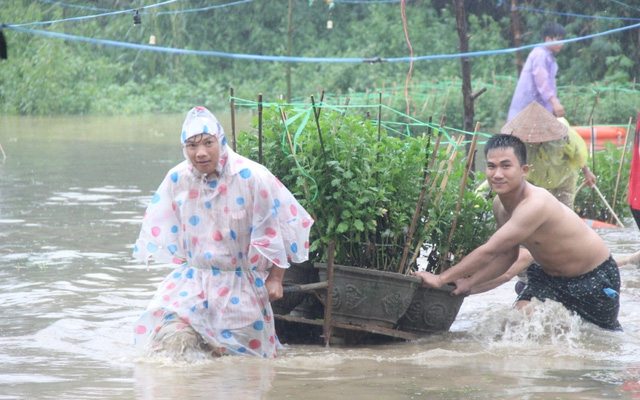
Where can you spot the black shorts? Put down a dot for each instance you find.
(595, 296)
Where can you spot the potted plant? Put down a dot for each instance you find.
(362, 185)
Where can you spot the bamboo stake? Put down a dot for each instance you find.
(608, 206)
(316, 113)
(624, 153)
(260, 128)
(463, 184)
(233, 118)
(418, 210)
(452, 159)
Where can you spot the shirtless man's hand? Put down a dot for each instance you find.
(429, 279)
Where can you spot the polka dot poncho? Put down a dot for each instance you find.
(223, 233)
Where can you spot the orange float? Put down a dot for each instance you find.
(594, 223)
(603, 134)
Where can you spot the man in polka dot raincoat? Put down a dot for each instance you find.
(231, 229)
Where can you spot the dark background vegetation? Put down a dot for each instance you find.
(45, 75)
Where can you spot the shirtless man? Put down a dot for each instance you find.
(574, 266)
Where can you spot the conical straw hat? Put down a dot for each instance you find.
(535, 124)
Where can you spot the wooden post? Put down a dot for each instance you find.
(467, 99)
(328, 308)
(517, 39)
(289, 40)
(233, 118)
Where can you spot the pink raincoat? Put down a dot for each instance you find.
(223, 233)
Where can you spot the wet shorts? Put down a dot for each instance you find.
(594, 295)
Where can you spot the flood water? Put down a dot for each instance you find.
(72, 193)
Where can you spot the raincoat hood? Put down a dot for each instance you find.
(200, 120)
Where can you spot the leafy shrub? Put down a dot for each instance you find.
(362, 186)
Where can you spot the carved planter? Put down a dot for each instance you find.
(369, 297)
(431, 310)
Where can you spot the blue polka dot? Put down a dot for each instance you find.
(251, 229)
(258, 325)
(276, 202)
(184, 136)
(233, 235)
(215, 271)
(224, 140)
(294, 247)
(207, 204)
(226, 334)
(205, 129)
(194, 220)
(152, 248)
(235, 300)
(135, 248)
(193, 309)
(190, 255)
(174, 229)
(174, 177)
(274, 211)
(259, 282)
(245, 173)
(242, 350)
(240, 201)
(177, 275)
(208, 255)
(183, 294)
(172, 248)
(238, 271)
(206, 304)
(213, 184)
(190, 273)
(179, 203)
(169, 317)
(240, 255)
(155, 198)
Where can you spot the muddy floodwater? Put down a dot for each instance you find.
(72, 194)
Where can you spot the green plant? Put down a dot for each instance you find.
(362, 186)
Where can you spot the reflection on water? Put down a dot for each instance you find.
(71, 200)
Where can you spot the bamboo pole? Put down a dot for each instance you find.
(260, 128)
(624, 153)
(452, 160)
(463, 185)
(316, 114)
(291, 148)
(418, 209)
(233, 118)
(608, 206)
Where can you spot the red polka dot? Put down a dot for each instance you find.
(209, 332)
(157, 329)
(179, 326)
(166, 297)
(254, 258)
(155, 231)
(272, 339)
(201, 295)
(185, 320)
(294, 210)
(141, 329)
(158, 313)
(255, 344)
(223, 291)
(223, 160)
(175, 304)
(276, 261)
(262, 243)
(233, 261)
(195, 241)
(193, 194)
(270, 232)
(177, 260)
(226, 210)
(174, 206)
(306, 223)
(279, 183)
(222, 189)
(171, 285)
(217, 235)
(264, 193)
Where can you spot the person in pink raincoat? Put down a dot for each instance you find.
(231, 228)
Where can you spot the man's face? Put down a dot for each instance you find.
(504, 171)
(203, 151)
(554, 48)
